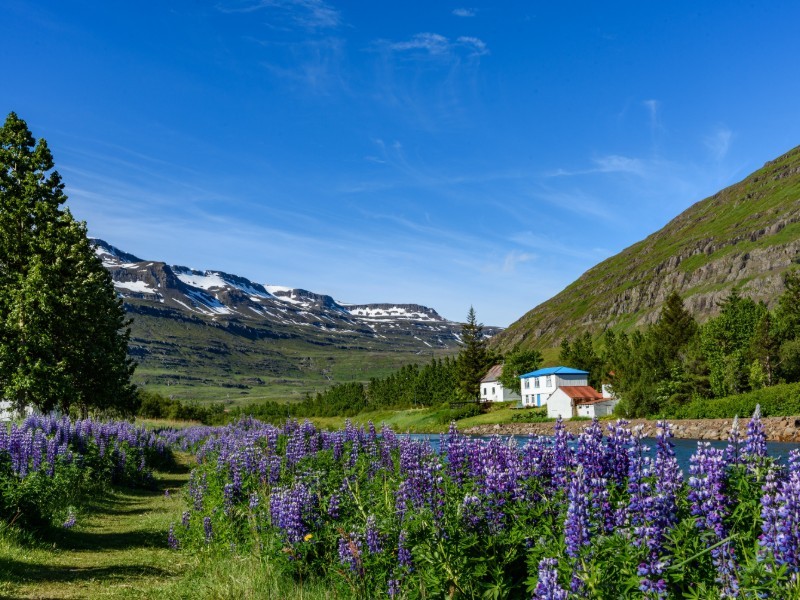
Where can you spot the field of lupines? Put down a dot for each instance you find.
(601, 516)
(51, 466)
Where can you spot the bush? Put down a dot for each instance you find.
(534, 415)
(776, 401)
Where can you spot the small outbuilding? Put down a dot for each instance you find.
(494, 391)
(580, 401)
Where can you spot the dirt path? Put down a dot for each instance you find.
(117, 550)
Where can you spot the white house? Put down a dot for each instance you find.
(538, 386)
(491, 388)
(580, 401)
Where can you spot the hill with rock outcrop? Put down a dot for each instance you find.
(745, 236)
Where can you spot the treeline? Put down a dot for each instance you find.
(152, 405)
(411, 386)
(676, 361)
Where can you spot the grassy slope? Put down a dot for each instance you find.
(192, 361)
(736, 220)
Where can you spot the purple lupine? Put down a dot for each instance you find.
(562, 455)
(185, 519)
(171, 539)
(547, 587)
(372, 536)
(208, 529)
(710, 505)
(733, 453)
(393, 588)
(780, 512)
(333, 506)
(70, 522)
(576, 524)
(292, 511)
(404, 560)
(350, 548)
(756, 445)
(618, 441)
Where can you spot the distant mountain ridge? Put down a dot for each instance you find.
(744, 236)
(193, 328)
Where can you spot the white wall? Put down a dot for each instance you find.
(493, 391)
(544, 386)
(559, 404)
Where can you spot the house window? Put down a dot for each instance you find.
(484, 391)
(492, 391)
(536, 382)
(527, 384)
(549, 381)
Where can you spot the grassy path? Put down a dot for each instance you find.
(118, 549)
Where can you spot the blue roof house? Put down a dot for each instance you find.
(537, 386)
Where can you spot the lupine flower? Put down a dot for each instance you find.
(780, 512)
(733, 453)
(547, 587)
(70, 522)
(710, 506)
(292, 511)
(404, 554)
(171, 539)
(372, 536)
(207, 529)
(576, 525)
(756, 445)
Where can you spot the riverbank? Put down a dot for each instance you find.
(777, 429)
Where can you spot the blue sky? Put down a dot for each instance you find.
(447, 154)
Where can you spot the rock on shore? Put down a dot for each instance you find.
(777, 429)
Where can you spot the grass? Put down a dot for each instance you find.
(118, 550)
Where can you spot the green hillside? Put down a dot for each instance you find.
(744, 236)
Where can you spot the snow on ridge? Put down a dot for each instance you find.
(139, 287)
(398, 312)
(210, 280)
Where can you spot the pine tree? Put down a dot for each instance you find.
(63, 331)
(474, 358)
(675, 326)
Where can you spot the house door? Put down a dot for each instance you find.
(538, 399)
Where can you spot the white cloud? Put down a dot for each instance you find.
(719, 142)
(438, 45)
(614, 163)
(433, 43)
(478, 46)
(464, 12)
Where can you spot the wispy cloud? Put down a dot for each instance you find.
(719, 142)
(611, 163)
(465, 12)
(310, 14)
(514, 258)
(437, 45)
(313, 65)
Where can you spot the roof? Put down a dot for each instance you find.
(583, 394)
(555, 370)
(493, 374)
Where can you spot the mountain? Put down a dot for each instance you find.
(207, 334)
(744, 236)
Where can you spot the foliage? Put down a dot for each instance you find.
(474, 358)
(533, 415)
(50, 466)
(517, 363)
(153, 405)
(580, 354)
(375, 515)
(63, 331)
(778, 400)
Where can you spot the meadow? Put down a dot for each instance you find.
(296, 511)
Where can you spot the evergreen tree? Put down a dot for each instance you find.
(675, 326)
(63, 331)
(517, 363)
(474, 358)
(580, 354)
